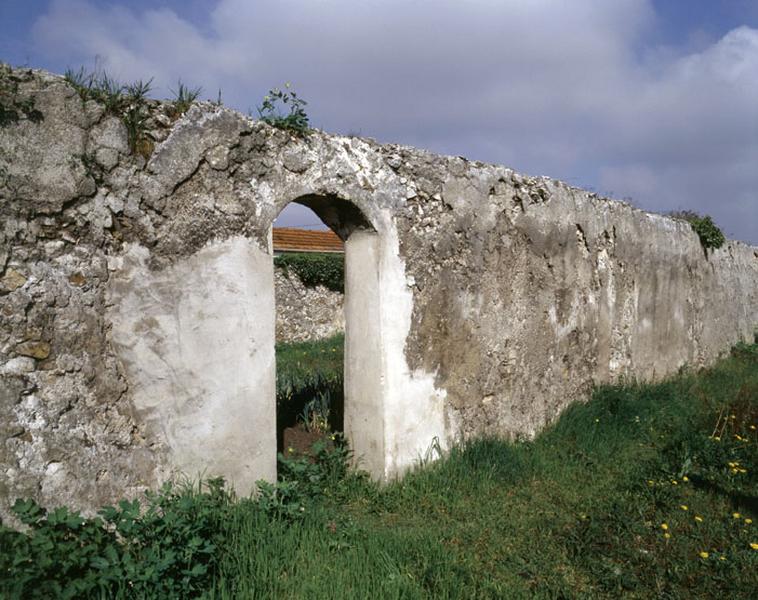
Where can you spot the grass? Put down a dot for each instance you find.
(579, 512)
(309, 375)
(127, 101)
(184, 96)
(645, 491)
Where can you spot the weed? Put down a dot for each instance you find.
(711, 237)
(12, 108)
(184, 97)
(296, 120)
(166, 548)
(315, 415)
(127, 101)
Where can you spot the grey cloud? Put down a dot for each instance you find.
(571, 89)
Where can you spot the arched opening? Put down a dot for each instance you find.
(328, 377)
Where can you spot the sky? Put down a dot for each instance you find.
(650, 101)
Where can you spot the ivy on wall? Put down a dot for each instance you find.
(315, 268)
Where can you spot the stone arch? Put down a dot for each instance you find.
(363, 376)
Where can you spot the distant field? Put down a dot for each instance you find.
(645, 491)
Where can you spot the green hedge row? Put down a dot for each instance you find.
(315, 269)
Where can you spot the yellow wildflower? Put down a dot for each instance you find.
(685, 478)
(674, 482)
(290, 449)
(698, 518)
(752, 427)
(736, 515)
(716, 438)
(754, 546)
(667, 535)
(748, 521)
(683, 507)
(703, 555)
(664, 526)
(722, 558)
(742, 470)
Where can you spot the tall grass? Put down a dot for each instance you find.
(578, 512)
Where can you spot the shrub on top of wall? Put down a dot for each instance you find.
(315, 269)
(709, 233)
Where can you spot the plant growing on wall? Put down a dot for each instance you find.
(129, 102)
(184, 96)
(296, 120)
(13, 109)
(711, 237)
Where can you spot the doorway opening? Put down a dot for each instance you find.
(319, 340)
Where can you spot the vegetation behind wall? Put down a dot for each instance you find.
(315, 268)
(309, 377)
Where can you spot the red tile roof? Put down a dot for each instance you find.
(290, 239)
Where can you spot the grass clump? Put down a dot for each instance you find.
(184, 96)
(127, 101)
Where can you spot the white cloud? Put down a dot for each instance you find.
(572, 88)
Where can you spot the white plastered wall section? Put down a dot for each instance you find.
(196, 340)
(394, 417)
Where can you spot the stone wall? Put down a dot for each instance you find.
(305, 313)
(137, 295)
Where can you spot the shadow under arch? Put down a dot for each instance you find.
(341, 216)
(362, 405)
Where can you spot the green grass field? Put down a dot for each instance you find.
(645, 491)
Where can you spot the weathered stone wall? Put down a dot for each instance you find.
(305, 313)
(137, 296)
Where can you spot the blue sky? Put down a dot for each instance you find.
(653, 101)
